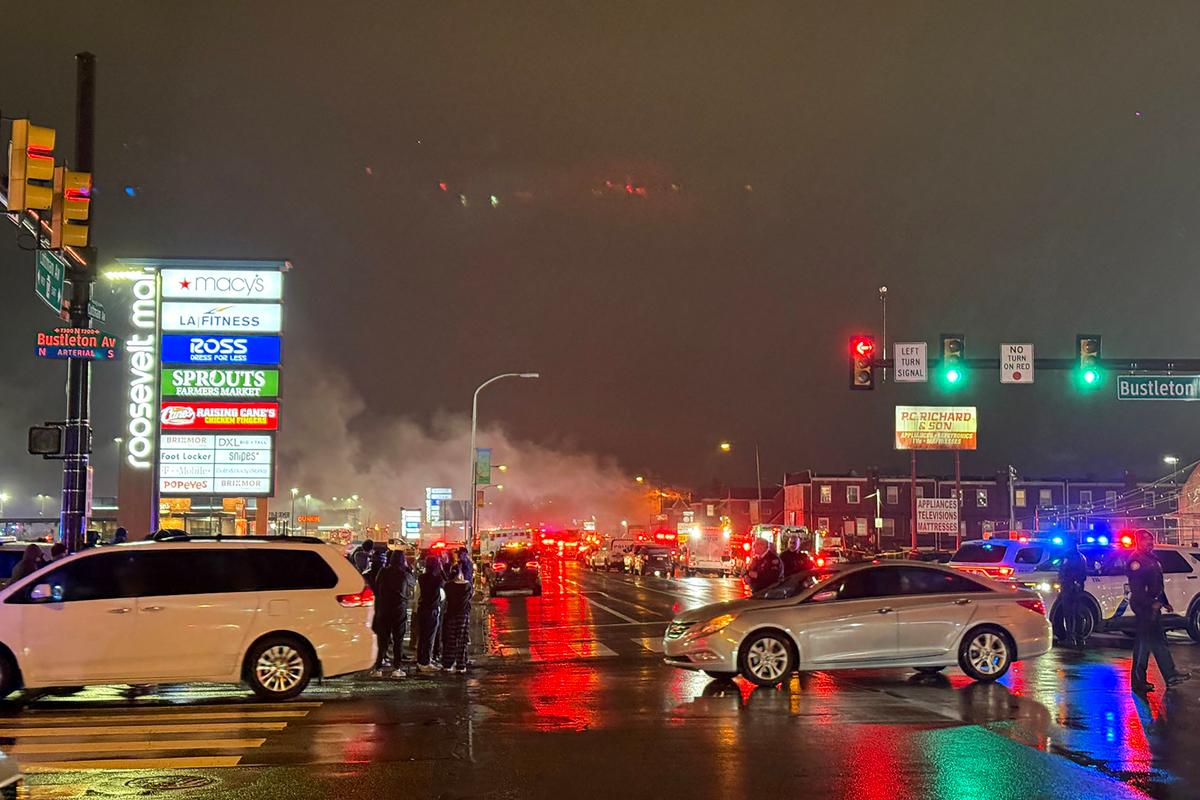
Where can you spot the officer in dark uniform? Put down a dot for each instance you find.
(1072, 577)
(1148, 601)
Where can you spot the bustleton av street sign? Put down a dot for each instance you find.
(1158, 387)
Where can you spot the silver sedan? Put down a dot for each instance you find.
(894, 614)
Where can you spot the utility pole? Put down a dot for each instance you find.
(78, 429)
(1012, 498)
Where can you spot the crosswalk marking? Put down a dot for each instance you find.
(144, 737)
(126, 730)
(194, 762)
(35, 748)
(566, 651)
(34, 719)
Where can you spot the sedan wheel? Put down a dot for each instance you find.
(985, 654)
(766, 659)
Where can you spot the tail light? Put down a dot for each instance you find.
(1005, 572)
(499, 566)
(359, 599)
(531, 565)
(1033, 604)
(820, 561)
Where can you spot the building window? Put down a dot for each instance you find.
(1110, 499)
(981, 498)
(1148, 498)
(889, 528)
(1045, 498)
(920, 491)
(1019, 498)
(711, 510)
(852, 494)
(1085, 497)
(827, 494)
(848, 528)
(823, 523)
(792, 518)
(893, 495)
(860, 526)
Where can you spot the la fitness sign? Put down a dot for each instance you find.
(142, 388)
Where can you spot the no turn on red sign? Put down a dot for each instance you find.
(1016, 363)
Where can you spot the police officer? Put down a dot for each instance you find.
(1072, 577)
(1148, 601)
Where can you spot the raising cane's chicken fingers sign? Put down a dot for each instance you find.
(209, 416)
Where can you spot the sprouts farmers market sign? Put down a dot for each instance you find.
(247, 383)
(936, 427)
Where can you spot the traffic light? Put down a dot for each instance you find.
(30, 166)
(953, 368)
(72, 201)
(862, 368)
(1087, 351)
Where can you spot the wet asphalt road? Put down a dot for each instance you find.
(572, 701)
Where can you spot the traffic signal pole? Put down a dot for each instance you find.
(77, 446)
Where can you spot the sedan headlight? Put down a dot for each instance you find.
(712, 626)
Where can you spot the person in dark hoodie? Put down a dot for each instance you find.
(458, 616)
(394, 587)
(430, 585)
(30, 562)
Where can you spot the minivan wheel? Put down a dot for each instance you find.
(278, 668)
(765, 658)
(985, 653)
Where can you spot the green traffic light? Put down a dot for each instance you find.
(1090, 376)
(952, 375)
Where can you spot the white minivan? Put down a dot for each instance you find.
(271, 612)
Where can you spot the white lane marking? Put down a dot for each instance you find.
(20, 732)
(603, 607)
(569, 651)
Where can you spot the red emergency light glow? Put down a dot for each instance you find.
(531, 565)
(1126, 540)
(820, 561)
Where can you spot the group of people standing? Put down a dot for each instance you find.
(442, 593)
(768, 568)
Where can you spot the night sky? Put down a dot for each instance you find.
(694, 207)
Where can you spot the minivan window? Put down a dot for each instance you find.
(193, 571)
(976, 553)
(104, 576)
(281, 570)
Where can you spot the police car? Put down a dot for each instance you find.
(1106, 593)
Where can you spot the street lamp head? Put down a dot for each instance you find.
(354, 497)
(117, 440)
(530, 375)
(725, 446)
(308, 497)
(1172, 460)
(295, 491)
(640, 479)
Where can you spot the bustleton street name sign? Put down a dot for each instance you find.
(1158, 387)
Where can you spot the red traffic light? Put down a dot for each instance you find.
(862, 346)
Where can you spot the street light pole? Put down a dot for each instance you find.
(292, 515)
(470, 537)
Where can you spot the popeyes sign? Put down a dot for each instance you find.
(936, 427)
(179, 416)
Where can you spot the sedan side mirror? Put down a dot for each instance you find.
(44, 591)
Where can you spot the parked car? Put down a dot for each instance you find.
(888, 614)
(273, 612)
(1002, 558)
(514, 568)
(653, 560)
(1106, 592)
